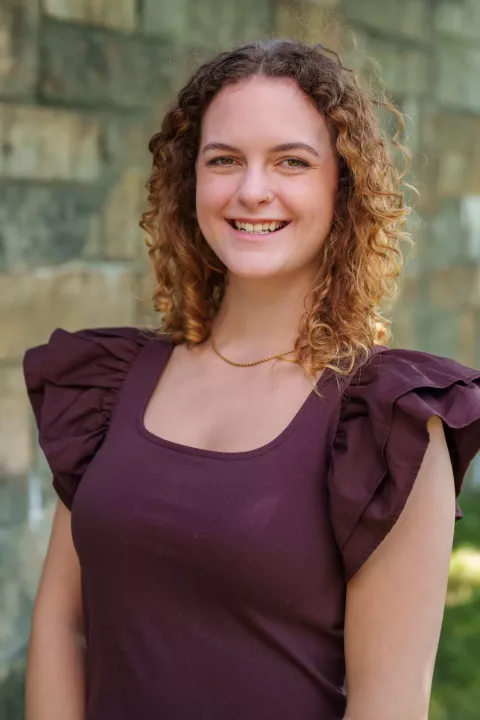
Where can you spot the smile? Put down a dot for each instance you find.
(263, 228)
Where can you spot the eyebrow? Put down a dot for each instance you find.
(278, 148)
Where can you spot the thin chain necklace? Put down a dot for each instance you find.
(279, 356)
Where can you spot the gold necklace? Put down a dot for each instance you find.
(250, 364)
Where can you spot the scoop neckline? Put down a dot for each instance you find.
(154, 378)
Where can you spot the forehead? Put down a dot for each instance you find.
(260, 109)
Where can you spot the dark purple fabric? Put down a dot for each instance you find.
(214, 583)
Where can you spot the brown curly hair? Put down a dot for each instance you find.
(360, 258)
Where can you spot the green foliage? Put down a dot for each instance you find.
(12, 691)
(456, 685)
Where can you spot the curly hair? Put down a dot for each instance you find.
(361, 256)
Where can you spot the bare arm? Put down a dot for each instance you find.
(55, 686)
(395, 602)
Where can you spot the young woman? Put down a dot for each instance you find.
(262, 495)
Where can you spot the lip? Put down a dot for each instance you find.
(255, 221)
(255, 237)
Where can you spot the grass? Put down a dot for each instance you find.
(456, 685)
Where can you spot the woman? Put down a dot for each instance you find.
(240, 541)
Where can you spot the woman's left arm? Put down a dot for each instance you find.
(395, 602)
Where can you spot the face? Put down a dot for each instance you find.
(265, 159)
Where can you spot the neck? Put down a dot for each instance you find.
(259, 317)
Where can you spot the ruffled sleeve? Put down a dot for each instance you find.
(72, 383)
(382, 437)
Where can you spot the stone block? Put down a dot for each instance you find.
(402, 330)
(18, 48)
(437, 331)
(405, 71)
(45, 144)
(210, 24)
(453, 288)
(93, 68)
(458, 19)
(416, 226)
(407, 18)
(16, 451)
(13, 492)
(146, 283)
(216, 24)
(311, 22)
(452, 174)
(22, 551)
(33, 304)
(412, 108)
(448, 242)
(453, 139)
(329, 4)
(477, 344)
(423, 176)
(125, 141)
(162, 17)
(470, 215)
(476, 288)
(41, 492)
(453, 130)
(467, 338)
(14, 599)
(35, 535)
(118, 15)
(257, 22)
(473, 170)
(458, 70)
(416, 257)
(46, 225)
(409, 296)
(3, 254)
(122, 236)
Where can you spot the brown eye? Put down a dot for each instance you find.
(220, 161)
(301, 163)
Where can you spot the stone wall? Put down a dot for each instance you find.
(82, 85)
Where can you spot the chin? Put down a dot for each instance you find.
(254, 271)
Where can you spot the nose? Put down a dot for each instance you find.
(253, 189)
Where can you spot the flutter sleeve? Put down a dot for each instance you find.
(382, 437)
(72, 382)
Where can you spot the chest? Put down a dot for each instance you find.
(254, 525)
(159, 519)
(234, 410)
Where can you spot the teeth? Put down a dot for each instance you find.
(258, 227)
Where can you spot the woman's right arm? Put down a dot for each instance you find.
(55, 682)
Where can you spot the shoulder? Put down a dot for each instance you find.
(72, 382)
(402, 369)
(383, 432)
(412, 378)
(83, 351)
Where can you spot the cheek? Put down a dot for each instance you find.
(323, 198)
(212, 193)
(315, 202)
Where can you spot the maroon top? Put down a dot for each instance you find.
(214, 582)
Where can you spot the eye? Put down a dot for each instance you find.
(223, 161)
(299, 164)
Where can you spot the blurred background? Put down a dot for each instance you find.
(83, 84)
